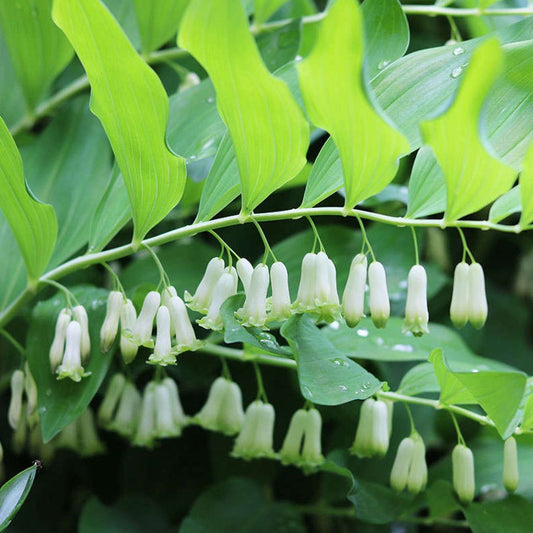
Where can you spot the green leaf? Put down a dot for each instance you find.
(333, 74)
(11, 261)
(14, 493)
(419, 379)
(498, 393)
(39, 51)
(270, 134)
(158, 21)
(61, 402)
(507, 204)
(234, 332)
(473, 177)
(124, 13)
(11, 98)
(526, 188)
(220, 509)
(386, 34)
(527, 422)
(427, 188)
(34, 225)
(130, 101)
(326, 375)
(264, 8)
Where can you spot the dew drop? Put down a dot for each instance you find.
(406, 348)
(343, 387)
(298, 58)
(339, 361)
(210, 100)
(380, 341)
(456, 72)
(458, 51)
(383, 64)
(362, 332)
(307, 391)
(334, 325)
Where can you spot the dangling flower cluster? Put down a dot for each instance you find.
(469, 301)
(410, 469)
(416, 307)
(374, 429)
(71, 346)
(81, 436)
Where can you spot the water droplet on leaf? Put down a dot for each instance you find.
(458, 51)
(456, 72)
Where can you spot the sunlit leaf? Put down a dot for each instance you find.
(336, 99)
(12, 102)
(130, 101)
(33, 224)
(507, 204)
(14, 493)
(526, 188)
(264, 8)
(267, 127)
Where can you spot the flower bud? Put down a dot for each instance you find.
(510, 465)
(30, 388)
(290, 450)
(418, 470)
(459, 307)
(165, 425)
(253, 313)
(305, 299)
(372, 435)
(144, 436)
(58, 344)
(280, 303)
(71, 364)
(128, 318)
(245, 271)
(362, 442)
(204, 293)
(111, 398)
(379, 295)
(183, 330)
(90, 443)
(402, 463)
(109, 329)
(463, 473)
(163, 346)
(80, 316)
(178, 415)
(477, 303)
(416, 307)
(126, 419)
(353, 299)
(142, 331)
(225, 287)
(312, 446)
(15, 404)
(257, 434)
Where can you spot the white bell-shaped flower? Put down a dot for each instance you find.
(353, 299)
(30, 388)
(68, 438)
(182, 327)
(305, 300)
(312, 445)
(128, 319)
(145, 434)
(111, 398)
(510, 465)
(290, 450)
(126, 418)
(402, 464)
(89, 441)
(477, 308)
(142, 330)
(207, 417)
(257, 434)
(459, 307)
(379, 294)
(165, 424)
(362, 442)
(416, 307)
(15, 404)
(333, 294)
(245, 271)
(203, 296)
(71, 366)
(109, 328)
(80, 316)
(163, 354)
(322, 279)
(280, 302)
(179, 417)
(225, 287)
(418, 470)
(58, 344)
(464, 482)
(167, 294)
(372, 435)
(254, 313)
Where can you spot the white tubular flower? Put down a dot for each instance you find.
(416, 307)
(167, 295)
(142, 331)
(379, 295)
(418, 470)
(312, 446)
(90, 443)
(510, 465)
(128, 318)
(225, 287)
(459, 306)
(204, 293)
(322, 279)
(144, 436)
(109, 329)
(253, 313)
(126, 419)
(477, 308)
(231, 413)
(372, 435)
(68, 438)
(305, 299)
(207, 417)
(257, 434)
(30, 388)
(183, 330)
(111, 398)
(353, 299)
(178, 415)
(80, 316)
(15, 404)
(290, 450)
(58, 344)
(71, 364)
(280, 303)
(165, 425)
(245, 271)
(463, 473)
(362, 442)
(402, 464)
(163, 345)
(333, 295)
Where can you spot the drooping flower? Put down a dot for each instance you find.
(463, 473)
(89, 441)
(144, 435)
(109, 329)
(305, 300)
(379, 294)
(80, 316)
(178, 415)
(416, 307)
(280, 302)
(128, 318)
(71, 366)
(111, 398)
(15, 404)
(477, 303)
(226, 286)
(460, 295)
(255, 439)
(142, 330)
(58, 344)
(410, 468)
(163, 354)
(127, 414)
(372, 435)
(510, 465)
(353, 299)
(245, 271)
(165, 424)
(254, 313)
(181, 324)
(30, 388)
(204, 293)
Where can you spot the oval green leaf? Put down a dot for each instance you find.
(14, 493)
